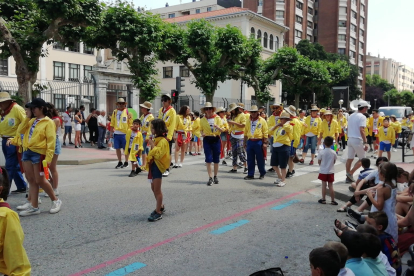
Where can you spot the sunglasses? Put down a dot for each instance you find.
(165, 99)
(208, 108)
(253, 111)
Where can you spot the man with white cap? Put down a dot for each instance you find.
(169, 116)
(121, 121)
(146, 119)
(357, 141)
(11, 116)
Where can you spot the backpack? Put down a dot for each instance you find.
(275, 271)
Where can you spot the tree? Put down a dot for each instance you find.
(26, 26)
(392, 96)
(376, 88)
(212, 54)
(403, 98)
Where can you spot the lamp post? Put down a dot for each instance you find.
(341, 102)
(375, 105)
(285, 95)
(241, 71)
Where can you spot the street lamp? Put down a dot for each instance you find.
(285, 95)
(241, 73)
(341, 102)
(375, 106)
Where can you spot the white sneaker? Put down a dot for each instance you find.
(111, 149)
(281, 184)
(180, 165)
(277, 181)
(29, 211)
(394, 150)
(24, 206)
(166, 173)
(56, 205)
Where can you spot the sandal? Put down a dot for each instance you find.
(311, 163)
(338, 232)
(334, 202)
(342, 210)
(322, 201)
(338, 225)
(301, 161)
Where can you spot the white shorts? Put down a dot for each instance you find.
(355, 146)
(78, 127)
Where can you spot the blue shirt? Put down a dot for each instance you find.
(364, 173)
(359, 267)
(376, 266)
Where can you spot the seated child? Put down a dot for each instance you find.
(343, 256)
(324, 262)
(372, 251)
(354, 242)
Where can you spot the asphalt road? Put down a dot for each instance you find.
(102, 228)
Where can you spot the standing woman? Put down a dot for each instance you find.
(223, 135)
(397, 128)
(211, 127)
(237, 125)
(329, 127)
(312, 129)
(58, 147)
(92, 122)
(343, 123)
(39, 144)
(196, 133)
(78, 127)
(183, 122)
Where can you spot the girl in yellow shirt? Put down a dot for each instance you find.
(195, 127)
(386, 137)
(237, 124)
(397, 128)
(312, 129)
(223, 136)
(183, 123)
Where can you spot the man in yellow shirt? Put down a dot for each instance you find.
(271, 122)
(145, 119)
(297, 132)
(374, 123)
(255, 141)
(168, 115)
(11, 116)
(121, 122)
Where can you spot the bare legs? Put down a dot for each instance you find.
(156, 189)
(53, 172)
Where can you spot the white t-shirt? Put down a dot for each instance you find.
(310, 133)
(101, 120)
(384, 259)
(67, 120)
(328, 157)
(346, 272)
(356, 120)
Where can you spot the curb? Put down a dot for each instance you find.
(84, 162)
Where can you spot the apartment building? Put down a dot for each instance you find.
(397, 73)
(339, 25)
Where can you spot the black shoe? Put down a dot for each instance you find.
(289, 175)
(261, 177)
(355, 216)
(19, 191)
(351, 225)
(271, 170)
(132, 174)
(100, 147)
(232, 171)
(293, 172)
(138, 170)
(119, 166)
(87, 141)
(348, 180)
(210, 181)
(215, 180)
(70, 143)
(224, 163)
(64, 144)
(76, 147)
(351, 189)
(125, 165)
(103, 147)
(248, 177)
(245, 171)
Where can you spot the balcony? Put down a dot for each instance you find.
(361, 63)
(352, 60)
(343, 3)
(299, 12)
(342, 30)
(362, 26)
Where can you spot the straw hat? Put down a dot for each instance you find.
(232, 107)
(284, 115)
(121, 100)
(314, 108)
(4, 96)
(328, 112)
(276, 105)
(291, 110)
(208, 104)
(322, 110)
(254, 108)
(146, 105)
(241, 105)
(220, 109)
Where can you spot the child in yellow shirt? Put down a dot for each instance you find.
(386, 136)
(134, 148)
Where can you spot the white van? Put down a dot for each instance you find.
(398, 111)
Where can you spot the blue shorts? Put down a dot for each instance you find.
(156, 173)
(385, 147)
(146, 149)
(223, 137)
(32, 156)
(196, 138)
(292, 149)
(212, 148)
(58, 146)
(280, 156)
(68, 129)
(119, 141)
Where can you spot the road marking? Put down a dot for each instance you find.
(281, 206)
(195, 230)
(126, 269)
(229, 227)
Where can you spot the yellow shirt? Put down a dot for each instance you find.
(330, 130)
(138, 140)
(13, 257)
(396, 126)
(271, 122)
(10, 123)
(389, 137)
(315, 127)
(43, 138)
(17, 139)
(146, 123)
(261, 130)
(297, 131)
(407, 123)
(123, 123)
(208, 128)
(137, 145)
(240, 119)
(371, 124)
(283, 134)
(169, 117)
(196, 127)
(183, 124)
(225, 125)
(160, 154)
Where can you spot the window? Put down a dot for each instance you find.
(4, 67)
(271, 42)
(87, 50)
(265, 40)
(299, 19)
(58, 70)
(86, 72)
(342, 23)
(309, 37)
(353, 2)
(184, 72)
(276, 43)
(171, 15)
(259, 36)
(119, 65)
(343, 10)
(298, 33)
(209, 9)
(354, 14)
(352, 54)
(353, 41)
(310, 10)
(361, 58)
(361, 32)
(361, 45)
(167, 72)
(74, 70)
(362, 7)
(197, 10)
(353, 28)
(252, 33)
(362, 21)
(260, 3)
(341, 51)
(58, 46)
(280, 14)
(75, 47)
(310, 24)
(361, 70)
(299, 5)
(341, 37)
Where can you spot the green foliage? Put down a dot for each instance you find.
(403, 98)
(18, 99)
(376, 80)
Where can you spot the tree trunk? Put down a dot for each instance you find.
(25, 87)
(297, 99)
(209, 98)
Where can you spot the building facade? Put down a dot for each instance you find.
(396, 73)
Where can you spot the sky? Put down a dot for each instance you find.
(390, 27)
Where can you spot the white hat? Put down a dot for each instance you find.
(363, 104)
(291, 110)
(285, 115)
(232, 107)
(4, 96)
(208, 104)
(121, 100)
(146, 105)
